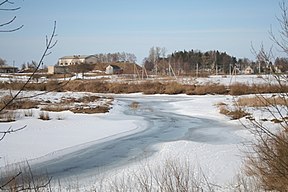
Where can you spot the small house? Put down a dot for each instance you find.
(248, 71)
(8, 69)
(57, 69)
(113, 69)
(71, 60)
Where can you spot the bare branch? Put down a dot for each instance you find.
(11, 180)
(10, 130)
(49, 45)
(11, 20)
(10, 9)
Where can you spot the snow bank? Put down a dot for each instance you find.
(65, 130)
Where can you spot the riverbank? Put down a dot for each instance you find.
(209, 150)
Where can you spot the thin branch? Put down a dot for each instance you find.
(12, 179)
(10, 9)
(49, 45)
(10, 130)
(9, 22)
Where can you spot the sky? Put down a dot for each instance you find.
(134, 26)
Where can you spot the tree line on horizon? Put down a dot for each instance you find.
(187, 62)
(209, 62)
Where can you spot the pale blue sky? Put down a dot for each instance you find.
(94, 26)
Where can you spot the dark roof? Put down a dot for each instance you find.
(115, 66)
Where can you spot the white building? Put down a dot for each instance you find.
(248, 71)
(76, 60)
(113, 69)
(57, 69)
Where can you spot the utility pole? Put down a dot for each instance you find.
(197, 69)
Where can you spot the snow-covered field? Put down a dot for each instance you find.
(67, 132)
(218, 79)
(220, 162)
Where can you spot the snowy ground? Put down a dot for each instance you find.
(219, 162)
(67, 132)
(219, 79)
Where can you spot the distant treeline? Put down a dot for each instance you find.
(115, 57)
(210, 62)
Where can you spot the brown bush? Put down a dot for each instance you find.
(269, 163)
(18, 104)
(234, 114)
(44, 116)
(152, 88)
(55, 108)
(210, 89)
(88, 110)
(7, 116)
(134, 105)
(147, 87)
(261, 101)
(244, 89)
(174, 88)
(239, 89)
(87, 99)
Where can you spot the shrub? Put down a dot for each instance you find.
(7, 116)
(152, 88)
(91, 110)
(239, 89)
(44, 116)
(28, 113)
(174, 88)
(20, 178)
(269, 163)
(18, 104)
(210, 89)
(55, 108)
(261, 101)
(234, 114)
(134, 105)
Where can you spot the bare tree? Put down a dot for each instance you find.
(5, 26)
(50, 43)
(268, 162)
(13, 180)
(2, 62)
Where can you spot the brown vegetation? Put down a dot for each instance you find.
(134, 105)
(91, 110)
(18, 104)
(7, 116)
(234, 114)
(147, 87)
(269, 163)
(243, 89)
(44, 116)
(261, 101)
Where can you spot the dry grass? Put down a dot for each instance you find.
(244, 89)
(148, 87)
(134, 105)
(55, 108)
(20, 178)
(210, 89)
(28, 113)
(7, 116)
(18, 104)
(269, 162)
(91, 110)
(261, 101)
(44, 116)
(234, 114)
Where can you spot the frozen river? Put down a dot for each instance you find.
(163, 125)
